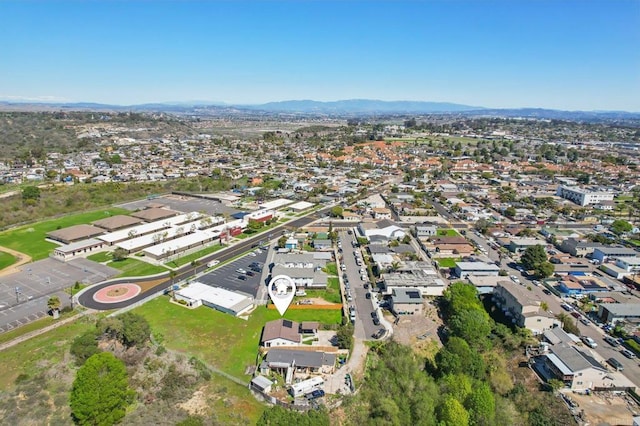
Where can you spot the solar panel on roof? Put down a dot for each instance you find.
(287, 323)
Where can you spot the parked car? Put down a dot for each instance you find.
(515, 279)
(611, 340)
(628, 353)
(376, 321)
(241, 271)
(250, 273)
(242, 277)
(584, 321)
(615, 364)
(567, 307)
(318, 393)
(589, 341)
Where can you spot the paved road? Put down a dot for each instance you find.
(238, 248)
(364, 326)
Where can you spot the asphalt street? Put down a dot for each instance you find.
(364, 326)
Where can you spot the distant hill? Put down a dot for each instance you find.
(343, 108)
(362, 106)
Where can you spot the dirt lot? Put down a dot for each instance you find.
(415, 330)
(604, 408)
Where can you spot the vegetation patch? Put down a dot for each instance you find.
(6, 259)
(447, 262)
(30, 239)
(447, 233)
(101, 257)
(135, 268)
(194, 256)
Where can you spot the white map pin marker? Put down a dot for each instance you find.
(281, 290)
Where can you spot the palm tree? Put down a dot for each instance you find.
(54, 303)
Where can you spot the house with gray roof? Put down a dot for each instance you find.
(577, 368)
(615, 312)
(289, 362)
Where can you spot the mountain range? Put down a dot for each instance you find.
(351, 107)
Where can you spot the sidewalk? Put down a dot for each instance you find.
(43, 330)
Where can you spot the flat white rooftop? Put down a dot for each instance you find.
(214, 295)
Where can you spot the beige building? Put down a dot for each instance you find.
(523, 307)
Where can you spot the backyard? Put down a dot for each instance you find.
(447, 262)
(447, 233)
(226, 342)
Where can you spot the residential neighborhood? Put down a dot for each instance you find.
(328, 248)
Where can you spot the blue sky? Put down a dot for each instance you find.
(530, 53)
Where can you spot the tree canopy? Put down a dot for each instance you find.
(100, 392)
(620, 226)
(130, 329)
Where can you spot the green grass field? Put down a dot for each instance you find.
(101, 257)
(447, 233)
(30, 239)
(193, 256)
(447, 262)
(225, 341)
(6, 259)
(135, 268)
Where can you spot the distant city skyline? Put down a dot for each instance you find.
(570, 55)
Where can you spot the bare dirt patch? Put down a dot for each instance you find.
(412, 330)
(606, 408)
(117, 292)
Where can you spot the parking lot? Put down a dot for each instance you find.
(183, 204)
(24, 294)
(228, 277)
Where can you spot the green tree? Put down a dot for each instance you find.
(344, 336)
(100, 392)
(54, 303)
(129, 329)
(620, 226)
(510, 211)
(457, 357)
(533, 256)
(336, 211)
(84, 346)
(544, 270)
(472, 325)
(456, 385)
(452, 413)
(481, 405)
(119, 254)
(31, 193)
(282, 241)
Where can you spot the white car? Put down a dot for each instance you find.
(212, 263)
(589, 342)
(515, 279)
